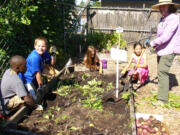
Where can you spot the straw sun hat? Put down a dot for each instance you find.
(164, 2)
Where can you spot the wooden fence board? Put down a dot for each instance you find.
(133, 19)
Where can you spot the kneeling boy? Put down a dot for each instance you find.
(13, 90)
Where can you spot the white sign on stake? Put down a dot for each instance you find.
(119, 30)
(119, 54)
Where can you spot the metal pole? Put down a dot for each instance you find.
(117, 71)
(117, 77)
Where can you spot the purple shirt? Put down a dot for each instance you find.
(168, 36)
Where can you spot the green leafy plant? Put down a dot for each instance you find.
(174, 100)
(126, 95)
(64, 90)
(90, 91)
(64, 117)
(61, 118)
(73, 128)
(105, 41)
(84, 76)
(89, 102)
(110, 86)
(95, 83)
(49, 115)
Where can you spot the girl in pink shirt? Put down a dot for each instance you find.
(139, 70)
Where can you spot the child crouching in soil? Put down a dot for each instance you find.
(91, 60)
(14, 93)
(140, 70)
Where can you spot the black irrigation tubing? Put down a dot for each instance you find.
(18, 132)
(107, 94)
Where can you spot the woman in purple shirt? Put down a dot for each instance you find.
(167, 44)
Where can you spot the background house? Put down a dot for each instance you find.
(130, 3)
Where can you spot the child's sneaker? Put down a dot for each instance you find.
(39, 108)
(138, 84)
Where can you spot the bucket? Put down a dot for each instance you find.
(104, 64)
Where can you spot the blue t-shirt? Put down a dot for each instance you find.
(35, 63)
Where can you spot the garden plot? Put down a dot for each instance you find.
(71, 108)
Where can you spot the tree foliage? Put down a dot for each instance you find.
(21, 21)
(96, 4)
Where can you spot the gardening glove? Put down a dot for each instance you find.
(53, 50)
(123, 72)
(146, 43)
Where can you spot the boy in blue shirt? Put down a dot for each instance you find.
(35, 65)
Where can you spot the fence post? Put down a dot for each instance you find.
(63, 25)
(87, 26)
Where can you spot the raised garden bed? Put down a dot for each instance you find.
(71, 108)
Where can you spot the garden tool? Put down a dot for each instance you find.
(53, 50)
(65, 68)
(123, 72)
(147, 42)
(67, 65)
(111, 94)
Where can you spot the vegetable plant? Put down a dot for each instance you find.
(174, 100)
(84, 76)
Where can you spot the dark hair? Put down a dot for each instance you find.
(16, 61)
(172, 9)
(136, 44)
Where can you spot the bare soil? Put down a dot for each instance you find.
(64, 117)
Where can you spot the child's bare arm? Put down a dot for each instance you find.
(100, 67)
(85, 60)
(38, 78)
(53, 60)
(128, 65)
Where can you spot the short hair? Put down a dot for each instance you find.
(136, 44)
(172, 9)
(40, 38)
(16, 61)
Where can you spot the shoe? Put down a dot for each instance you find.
(39, 108)
(138, 84)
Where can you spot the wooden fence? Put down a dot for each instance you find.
(137, 23)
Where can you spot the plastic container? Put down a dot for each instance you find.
(104, 63)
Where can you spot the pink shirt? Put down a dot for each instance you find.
(168, 36)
